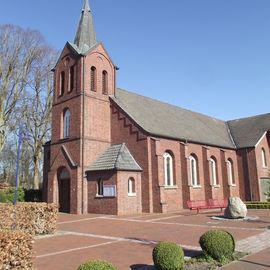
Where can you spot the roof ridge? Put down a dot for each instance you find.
(249, 117)
(118, 154)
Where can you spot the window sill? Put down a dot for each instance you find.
(132, 195)
(232, 185)
(196, 187)
(171, 187)
(104, 197)
(215, 186)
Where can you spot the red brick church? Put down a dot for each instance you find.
(116, 152)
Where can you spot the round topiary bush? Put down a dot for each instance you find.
(218, 244)
(97, 265)
(168, 256)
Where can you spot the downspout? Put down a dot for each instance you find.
(83, 113)
(249, 179)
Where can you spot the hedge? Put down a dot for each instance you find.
(32, 218)
(33, 195)
(258, 205)
(16, 250)
(7, 195)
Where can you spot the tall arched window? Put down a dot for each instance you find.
(104, 82)
(213, 172)
(62, 83)
(93, 79)
(131, 187)
(168, 169)
(230, 172)
(67, 123)
(264, 162)
(193, 171)
(71, 78)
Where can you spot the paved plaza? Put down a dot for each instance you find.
(128, 241)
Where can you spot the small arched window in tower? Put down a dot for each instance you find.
(67, 123)
(213, 172)
(230, 173)
(193, 166)
(71, 78)
(104, 82)
(264, 161)
(131, 187)
(62, 83)
(93, 79)
(168, 169)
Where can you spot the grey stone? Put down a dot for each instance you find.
(236, 208)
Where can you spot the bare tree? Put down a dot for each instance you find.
(19, 51)
(38, 108)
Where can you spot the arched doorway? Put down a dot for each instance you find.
(64, 190)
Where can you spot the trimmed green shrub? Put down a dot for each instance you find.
(168, 256)
(7, 195)
(218, 244)
(258, 205)
(97, 265)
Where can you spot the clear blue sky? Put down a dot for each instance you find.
(208, 56)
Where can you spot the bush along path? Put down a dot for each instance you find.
(218, 249)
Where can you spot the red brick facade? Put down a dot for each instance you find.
(97, 122)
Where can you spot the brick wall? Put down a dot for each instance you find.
(101, 205)
(128, 204)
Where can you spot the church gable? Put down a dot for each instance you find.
(63, 157)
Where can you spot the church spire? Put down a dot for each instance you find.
(85, 36)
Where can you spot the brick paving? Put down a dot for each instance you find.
(128, 241)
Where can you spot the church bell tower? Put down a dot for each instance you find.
(84, 79)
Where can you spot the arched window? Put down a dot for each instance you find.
(131, 187)
(168, 169)
(62, 83)
(104, 82)
(67, 123)
(93, 79)
(264, 162)
(193, 171)
(230, 172)
(213, 172)
(71, 78)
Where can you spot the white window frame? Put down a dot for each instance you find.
(264, 161)
(67, 123)
(168, 157)
(213, 172)
(130, 191)
(193, 168)
(230, 172)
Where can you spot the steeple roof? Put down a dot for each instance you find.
(85, 36)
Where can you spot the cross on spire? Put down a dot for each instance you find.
(85, 37)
